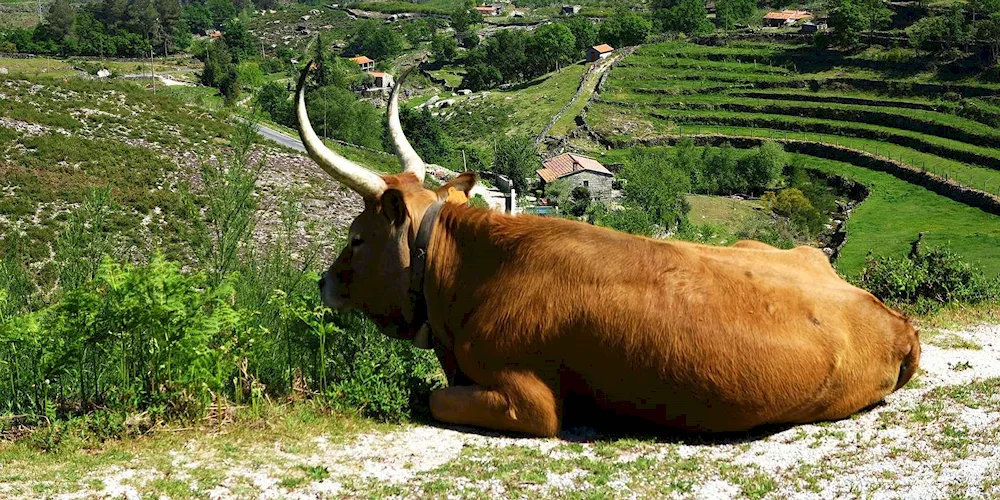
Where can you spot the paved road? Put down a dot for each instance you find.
(279, 137)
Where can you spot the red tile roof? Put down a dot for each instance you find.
(377, 74)
(602, 48)
(566, 164)
(362, 60)
(788, 14)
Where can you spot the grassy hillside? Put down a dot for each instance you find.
(861, 101)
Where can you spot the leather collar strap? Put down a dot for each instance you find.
(418, 269)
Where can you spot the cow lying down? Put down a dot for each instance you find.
(534, 311)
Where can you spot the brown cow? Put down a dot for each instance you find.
(534, 311)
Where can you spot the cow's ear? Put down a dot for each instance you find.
(457, 190)
(394, 206)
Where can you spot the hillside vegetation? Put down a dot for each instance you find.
(782, 92)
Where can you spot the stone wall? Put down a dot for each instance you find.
(940, 185)
(599, 185)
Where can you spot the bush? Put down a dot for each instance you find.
(630, 219)
(792, 204)
(925, 280)
(580, 201)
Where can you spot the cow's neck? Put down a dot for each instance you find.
(418, 269)
(463, 252)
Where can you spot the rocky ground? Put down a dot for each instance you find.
(936, 438)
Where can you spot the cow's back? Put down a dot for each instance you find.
(698, 337)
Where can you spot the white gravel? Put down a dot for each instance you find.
(887, 452)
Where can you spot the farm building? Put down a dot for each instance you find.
(380, 80)
(811, 27)
(364, 63)
(785, 18)
(489, 10)
(579, 170)
(599, 52)
(569, 10)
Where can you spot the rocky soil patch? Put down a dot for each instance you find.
(936, 438)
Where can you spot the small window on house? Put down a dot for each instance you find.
(586, 184)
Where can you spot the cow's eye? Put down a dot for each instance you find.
(356, 240)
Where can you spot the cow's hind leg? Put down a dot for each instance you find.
(522, 404)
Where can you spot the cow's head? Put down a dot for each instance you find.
(372, 272)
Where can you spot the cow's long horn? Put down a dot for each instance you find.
(367, 183)
(407, 155)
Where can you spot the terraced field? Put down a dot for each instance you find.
(944, 133)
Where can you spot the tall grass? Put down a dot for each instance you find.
(241, 326)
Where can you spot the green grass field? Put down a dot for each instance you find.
(785, 92)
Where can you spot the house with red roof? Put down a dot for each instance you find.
(364, 63)
(578, 170)
(599, 52)
(785, 18)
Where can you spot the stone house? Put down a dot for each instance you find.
(785, 18)
(569, 10)
(599, 52)
(380, 81)
(579, 170)
(489, 10)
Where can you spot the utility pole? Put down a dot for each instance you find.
(152, 69)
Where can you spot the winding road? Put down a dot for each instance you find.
(280, 138)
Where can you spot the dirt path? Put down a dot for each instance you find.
(938, 437)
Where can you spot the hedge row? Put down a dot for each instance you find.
(860, 101)
(940, 185)
(834, 129)
(869, 116)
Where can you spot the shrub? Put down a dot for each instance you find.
(477, 201)
(925, 280)
(794, 205)
(630, 219)
(580, 201)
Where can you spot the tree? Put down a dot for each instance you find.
(222, 11)
(444, 48)
(624, 28)
(417, 31)
(761, 166)
(939, 34)
(506, 51)
(653, 184)
(579, 201)
(851, 18)
(481, 77)
(682, 16)
(59, 20)
(425, 134)
(241, 44)
(729, 13)
(198, 18)
(218, 62)
(463, 17)
(274, 100)
(794, 205)
(170, 14)
(375, 40)
(988, 30)
(338, 114)
(635, 29)
(584, 32)
(552, 46)
(631, 219)
(517, 159)
(720, 171)
(982, 9)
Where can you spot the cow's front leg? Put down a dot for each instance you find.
(522, 403)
